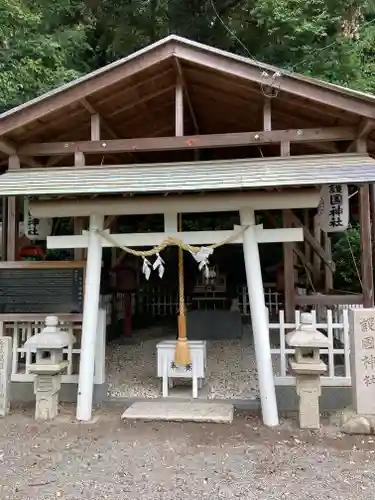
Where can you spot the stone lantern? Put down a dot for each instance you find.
(307, 367)
(48, 366)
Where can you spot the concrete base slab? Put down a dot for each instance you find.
(181, 411)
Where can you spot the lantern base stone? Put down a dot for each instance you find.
(309, 390)
(46, 390)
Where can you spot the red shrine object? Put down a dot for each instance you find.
(31, 252)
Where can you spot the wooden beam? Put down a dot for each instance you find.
(289, 273)
(7, 147)
(109, 220)
(307, 248)
(96, 122)
(187, 95)
(306, 263)
(285, 148)
(267, 115)
(317, 261)
(12, 215)
(367, 276)
(179, 108)
(364, 130)
(79, 222)
(190, 142)
(288, 249)
(328, 272)
(4, 232)
(79, 159)
(10, 149)
(12, 229)
(14, 162)
(104, 124)
(144, 205)
(95, 127)
(312, 241)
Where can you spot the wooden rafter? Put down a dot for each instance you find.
(83, 88)
(294, 85)
(190, 142)
(209, 61)
(98, 121)
(312, 241)
(141, 100)
(10, 149)
(187, 94)
(103, 122)
(364, 130)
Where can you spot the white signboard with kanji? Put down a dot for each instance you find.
(333, 208)
(362, 353)
(36, 229)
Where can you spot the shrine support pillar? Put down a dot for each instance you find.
(259, 320)
(90, 319)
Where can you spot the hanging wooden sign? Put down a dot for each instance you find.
(333, 208)
(35, 228)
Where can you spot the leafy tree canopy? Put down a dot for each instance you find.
(44, 43)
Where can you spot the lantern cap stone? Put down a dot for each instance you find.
(51, 337)
(306, 335)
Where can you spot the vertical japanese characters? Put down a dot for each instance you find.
(333, 208)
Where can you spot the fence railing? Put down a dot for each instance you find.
(20, 327)
(337, 358)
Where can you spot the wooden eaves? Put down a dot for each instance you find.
(224, 97)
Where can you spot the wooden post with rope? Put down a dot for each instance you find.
(182, 353)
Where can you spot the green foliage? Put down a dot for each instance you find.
(346, 253)
(44, 43)
(32, 60)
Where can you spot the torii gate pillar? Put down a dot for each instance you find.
(90, 319)
(259, 319)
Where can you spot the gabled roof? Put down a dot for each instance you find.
(135, 97)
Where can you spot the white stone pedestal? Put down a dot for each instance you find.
(167, 371)
(46, 390)
(5, 374)
(309, 390)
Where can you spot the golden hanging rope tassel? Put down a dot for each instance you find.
(182, 352)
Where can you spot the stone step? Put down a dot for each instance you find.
(180, 411)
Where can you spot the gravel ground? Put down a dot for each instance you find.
(231, 367)
(108, 459)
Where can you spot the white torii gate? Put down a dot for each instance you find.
(170, 206)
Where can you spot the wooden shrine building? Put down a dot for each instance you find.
(180, 127)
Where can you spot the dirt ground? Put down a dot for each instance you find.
(109, 459)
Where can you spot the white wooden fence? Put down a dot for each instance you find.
(337, 359)
(23, 326)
